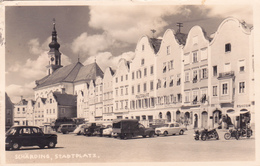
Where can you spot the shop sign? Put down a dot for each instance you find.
(243, 105)
(142, 95)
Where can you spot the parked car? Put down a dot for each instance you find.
(96, 128)
(66, 128)
(80, 129)
(128, 128)
(107, 131)
(18, 136)
(170, 129)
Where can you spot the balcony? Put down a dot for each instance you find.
(226, 75)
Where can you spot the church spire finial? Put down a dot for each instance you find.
(54, 29)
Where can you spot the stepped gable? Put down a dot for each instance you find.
(65, 99)
(64, 74)
(89, 72)
(156, 43)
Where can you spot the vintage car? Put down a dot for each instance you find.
(80, 129)
(107, 132)
(128, 128)
(170, 129)
(96, 128)
(18, 136)
(66, 128)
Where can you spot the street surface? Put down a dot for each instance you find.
(177, 148)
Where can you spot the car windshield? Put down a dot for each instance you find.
(11, 131)
(166, 125)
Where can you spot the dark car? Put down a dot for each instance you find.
(66, 128)
(128, 128)
(95, 128)
(18, 136)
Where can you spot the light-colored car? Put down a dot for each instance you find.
(107, 132)
(80, 129)
(170, 129)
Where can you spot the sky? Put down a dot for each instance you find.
(107, 33)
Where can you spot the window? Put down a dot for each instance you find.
(122, 91)
(159, 84)
(126, 77)
(116, 79)
(195, 40)
(138, 88)
(116, 92)
(164, 84)
(241, 87)
(144, 87)
(164, 67)
(187, 96)
(152, 102)
(170, 65)
(142, 62)
(179, 97)
(215, 90)
(133, 75)
(122, 78)
(133, 90)
(146, 103)
(8, 112)
(195, 76)
(203, 96)
(224, 89)
(168, 50)
(194, 57)
(122, 104)
(63, 111)
(215, 70)
(241, 65)
(145, 72)
(151, 85)
(171, 83)
(142, 47)
(186, 59)
(151, 70)
(39, 105)
(204, 73)
(178, 80)
(187, 76)
(47, 111)
(116, 105)
(54, 111)
(227, 47)
(195, 97)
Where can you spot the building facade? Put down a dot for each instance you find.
(189, 78)
(9, 112)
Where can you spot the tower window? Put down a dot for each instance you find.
(228, 47)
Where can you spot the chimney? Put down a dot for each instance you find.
(62, 90)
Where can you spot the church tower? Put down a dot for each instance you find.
(54, 53)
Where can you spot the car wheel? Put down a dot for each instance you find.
(79, 133)
(41, 146)
(227, 136)
(144, 136)
(237, 135)
(51, 144)
(165, 133)
(151, 134)
(203, 137)
(16, 146)
(249, 133)
(181, 132)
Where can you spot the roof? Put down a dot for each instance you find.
(43, 100)
(89, 72)
(156, 43)
(22, 102)
(181, 38)
(71, 73)
(65, 99)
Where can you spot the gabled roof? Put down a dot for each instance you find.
(63, 74)
(64, 99)
(156, 43)
(72, 73)
(22, 102)
(89, 72)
